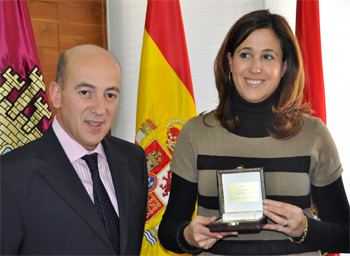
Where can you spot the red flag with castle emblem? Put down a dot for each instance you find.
(24, 107)
(165, 102)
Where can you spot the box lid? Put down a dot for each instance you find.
(241, 192)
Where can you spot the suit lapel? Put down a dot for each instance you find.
(119, 168)
(61, 175)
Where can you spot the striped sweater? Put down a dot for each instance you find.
(302, 170)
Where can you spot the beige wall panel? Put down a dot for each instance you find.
(86, 12)
(43, 10)
(46, 33)
(76, 34)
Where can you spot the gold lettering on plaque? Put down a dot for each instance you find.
(243, 192)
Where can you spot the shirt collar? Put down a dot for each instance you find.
(73, 149)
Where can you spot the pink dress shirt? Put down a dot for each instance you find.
(75, 152)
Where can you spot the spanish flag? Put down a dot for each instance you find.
(165, 103)
(25, 113)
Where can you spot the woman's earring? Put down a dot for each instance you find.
(230, 78)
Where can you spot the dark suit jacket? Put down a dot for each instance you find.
(45, 208)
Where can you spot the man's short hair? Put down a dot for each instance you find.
(61, 70)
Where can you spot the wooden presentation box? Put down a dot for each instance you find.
(241, 194)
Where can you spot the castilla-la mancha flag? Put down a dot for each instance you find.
(24, 107)
(308, 32)
(165, 103)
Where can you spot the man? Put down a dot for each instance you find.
(50, 199)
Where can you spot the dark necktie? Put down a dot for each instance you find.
(103, 203)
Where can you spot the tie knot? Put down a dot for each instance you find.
(91, 161)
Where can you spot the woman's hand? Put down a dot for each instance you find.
(198, 235)
(289, 219)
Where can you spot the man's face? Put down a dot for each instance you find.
(89, 98)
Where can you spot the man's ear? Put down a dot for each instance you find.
(55, 94)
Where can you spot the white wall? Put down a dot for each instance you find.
(335, 34)
(206, 23)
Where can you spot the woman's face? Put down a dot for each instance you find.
(257, 66)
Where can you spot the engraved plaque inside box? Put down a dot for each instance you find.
(241, 194)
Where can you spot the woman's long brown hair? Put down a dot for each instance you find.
(288, 113)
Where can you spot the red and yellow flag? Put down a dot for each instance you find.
(308, 33)
(165, 103)
(25, 113)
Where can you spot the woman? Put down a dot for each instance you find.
(261, 121)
